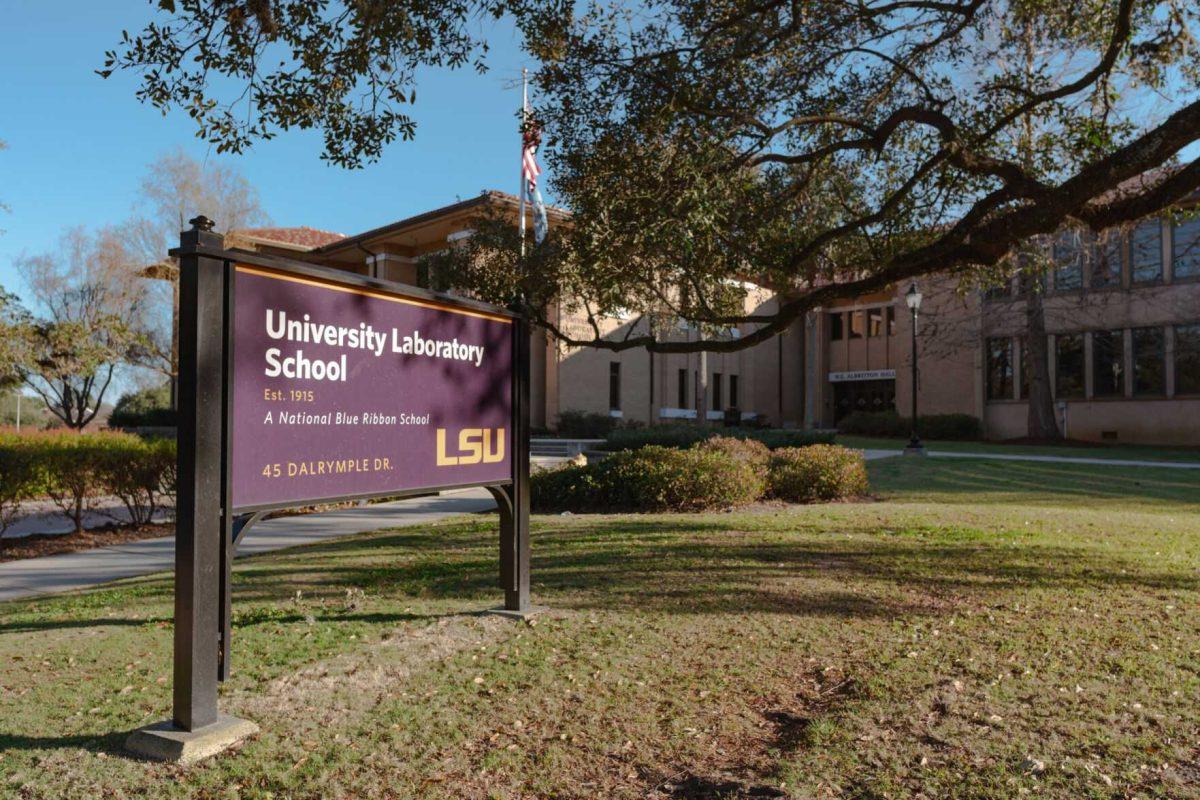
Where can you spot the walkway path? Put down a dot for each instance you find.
(69, 571)
(1112, 462)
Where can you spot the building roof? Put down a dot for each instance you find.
(485, 198)
(298, 238)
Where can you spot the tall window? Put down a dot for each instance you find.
(1000, 369)
(683, 398)
(857, 323)
(1068, 255)
(875, 322)
(614, 385)
(1149, 361)
(1108, 363)
(999, 292)
(837, 327)
(891, 320)
(1145, 252)
(1106, 261)
(1068, 363)
(1187, 359)
(716, 391)
(733, 392)
(1186, 244)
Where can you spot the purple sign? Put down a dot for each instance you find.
(340, 391)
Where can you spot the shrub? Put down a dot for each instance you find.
(687, 435)
(585, 424)
(746, 451)
(818, 472)
(891, 424)
(138, 473)
(74, 470)
(20, 480)
(144, 408)
(649, 479)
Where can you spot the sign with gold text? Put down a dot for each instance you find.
(342, 391)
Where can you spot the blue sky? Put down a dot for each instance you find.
(78, 145)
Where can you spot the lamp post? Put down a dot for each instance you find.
(913, 299)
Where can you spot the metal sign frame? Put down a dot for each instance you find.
(209, 530)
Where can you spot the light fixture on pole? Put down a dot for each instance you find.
(913, 299)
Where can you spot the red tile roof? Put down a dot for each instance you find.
(302, 236)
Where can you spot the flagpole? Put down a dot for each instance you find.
(524, 120)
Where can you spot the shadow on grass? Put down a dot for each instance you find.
(675, 565)
(990, 481)
(112, 743)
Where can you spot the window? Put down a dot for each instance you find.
(683, 400)
(1185, 236)
(1108, 363)
(875, 322)
(1106, 261)
(1000, 369)
(733, 392)
(716, 391)
(1145, 252)
(857, 322)
(1068, 254)
(1068, 363)
(891, 320)
(614, 386)
(836, 327)
(1149, 361)
(1001, 291)
(1028, 280)
(1187, 359)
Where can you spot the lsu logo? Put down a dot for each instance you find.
(474, 447)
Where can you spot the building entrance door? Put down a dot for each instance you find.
(876, 395)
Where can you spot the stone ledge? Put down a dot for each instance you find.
(163, 741)
(532, 611)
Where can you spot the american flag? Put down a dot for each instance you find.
(531, 138)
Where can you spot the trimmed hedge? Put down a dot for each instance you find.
(821, 472)
(891, 424)
(687, 435)
(722, 472)
(649, 479)
(73, 470)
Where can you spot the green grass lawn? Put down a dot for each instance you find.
(1133, 452)
(981, 630)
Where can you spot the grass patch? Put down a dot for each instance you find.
(1131, 452)
(983, 630)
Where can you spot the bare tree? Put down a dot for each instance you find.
(175, 188)
(88, 313)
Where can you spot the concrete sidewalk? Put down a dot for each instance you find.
(62, 573)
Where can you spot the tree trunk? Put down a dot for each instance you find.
(1043, 422)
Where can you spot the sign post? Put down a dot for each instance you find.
(300, 384)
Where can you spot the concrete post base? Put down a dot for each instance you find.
(162, 741)
(500, 611)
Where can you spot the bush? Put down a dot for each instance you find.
(585, 425)
(21, 479)
(144, 408)
(746, 451)
(73, 470)
(687, 435)
(649, 479)
(891, 424)
(138, 474)
(818, 472)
